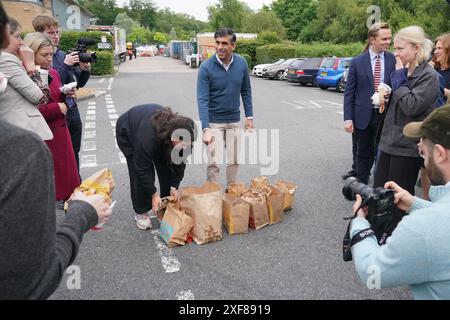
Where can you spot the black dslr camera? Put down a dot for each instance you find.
(81, 48)
(380, 203)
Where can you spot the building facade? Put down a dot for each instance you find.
(70, 15)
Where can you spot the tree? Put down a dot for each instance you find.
(143, 11)
(160, 38)
(141, 35)
(125, 22)
(263, 21)
(105, 10)
(228, 13)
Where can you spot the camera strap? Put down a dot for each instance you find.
(360, 236)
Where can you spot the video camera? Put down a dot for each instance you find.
(380, 203)
(81, 48)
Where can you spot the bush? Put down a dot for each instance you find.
(268, 53)
(69, 39)
(248, 58)
(105, 58)
(248, 47)
(104, 64)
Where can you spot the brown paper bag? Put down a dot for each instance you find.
(237, 188)
(275, 203)
(235, 214)
(175, 225)
(259, 215)
(289, 193)
(259, 182)
(204, 205)
(101, 182)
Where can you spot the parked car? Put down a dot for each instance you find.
(305, 72)
(257, 70)
(277, 71)
(331, 72)
(343, 82)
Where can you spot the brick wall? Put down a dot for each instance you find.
(25, 12)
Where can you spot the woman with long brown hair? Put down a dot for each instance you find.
(441, 60)
(153, 138)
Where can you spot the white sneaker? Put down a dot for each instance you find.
(143, 221)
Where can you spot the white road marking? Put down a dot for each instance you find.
(92, 107)
(90, 125)
(110, 106)
(92, 103)
(102, 80)
(91, 112)
(88, 161)
(113, 123)
(315, 104)
(90, 134)
(89, 146)
(340, 112)
(112, 110)
(111, 80)
(90, 118)
(122, 158)
(113, 116)
(185, 295)
(169, 262)
(292, 105)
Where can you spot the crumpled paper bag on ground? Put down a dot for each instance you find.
(289, 189)
(237, 188)
(236, 213)
(259, 182)
(204, 205)
(275, 201)
(175, 225)
(259, 214)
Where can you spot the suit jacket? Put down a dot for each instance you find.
(18, 104)
(360, 88)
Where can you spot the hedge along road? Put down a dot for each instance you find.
(299, 258)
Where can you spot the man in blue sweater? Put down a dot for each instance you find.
(222, 80)
(418, 252)
(70, 69)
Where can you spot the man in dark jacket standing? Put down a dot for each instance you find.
(361, 117)
(70, 69)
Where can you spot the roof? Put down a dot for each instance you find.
(84, 10)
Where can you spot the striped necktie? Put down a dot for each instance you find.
(377, 73)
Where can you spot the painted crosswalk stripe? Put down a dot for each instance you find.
(113, 116)
(91, 112)
(102, 80)
(91, 107)
(90, 134)
(113, 123)
(185, 295)
(89, 146)
(88, 161)
(92, 103)
(90, 125)
(91, 118)
(169, 262)
(112, 110)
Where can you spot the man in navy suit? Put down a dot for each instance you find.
(362, 118)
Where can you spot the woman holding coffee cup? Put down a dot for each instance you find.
(24, 92)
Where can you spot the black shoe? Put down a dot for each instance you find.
(349, 174)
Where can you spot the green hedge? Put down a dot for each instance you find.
(268, 53)
(105, 58)
(248, 48)
(104, 64)
(248, 58)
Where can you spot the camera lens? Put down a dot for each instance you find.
(352, 187)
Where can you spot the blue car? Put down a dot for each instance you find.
(331, 72)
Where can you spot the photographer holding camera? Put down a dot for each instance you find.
(70, 69)
(417, 253)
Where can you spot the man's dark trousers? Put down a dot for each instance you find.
(366, 147)
(75, 128)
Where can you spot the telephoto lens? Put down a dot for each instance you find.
(352, 187)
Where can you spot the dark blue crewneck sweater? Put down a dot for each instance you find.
(219, 91)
